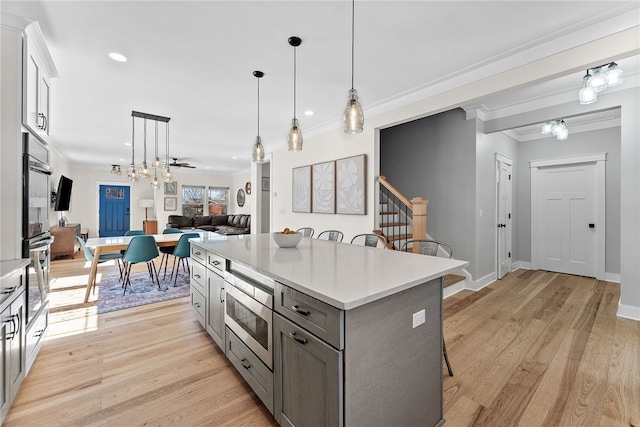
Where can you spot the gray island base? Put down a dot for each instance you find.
(355, 332)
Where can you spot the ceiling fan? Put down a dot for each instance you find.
(181, 164)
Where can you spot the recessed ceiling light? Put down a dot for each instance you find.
(122, 160)
(117, 57)
(127, 144)
(234, 157)
(308, 113)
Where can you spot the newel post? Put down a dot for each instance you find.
(419, 218)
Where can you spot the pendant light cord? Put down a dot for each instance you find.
(258, 106)
(133, 140)
(353, 24)
(294, 82)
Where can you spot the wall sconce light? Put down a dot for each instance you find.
(115, 169)
(556, 128)
(600, 78)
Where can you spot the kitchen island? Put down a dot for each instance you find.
(353, 334)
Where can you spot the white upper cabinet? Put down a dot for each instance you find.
(39, 69)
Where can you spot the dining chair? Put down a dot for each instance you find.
(167, 250)
(129, 233)
(431, 248)
(306, 231)
(369, 239)
(109, 256)
(141, 249)
(332, 235)
(181, 254)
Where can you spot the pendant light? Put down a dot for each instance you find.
(156, 162)
(258, 150)
(132, 173)
(353, 114)
(295, 134)
(144, 169)
(166, 174)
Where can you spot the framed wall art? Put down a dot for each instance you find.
(170, 203)
(323, 181)
(171, 188)
(301, 189)
(351, 185)
(266, 183)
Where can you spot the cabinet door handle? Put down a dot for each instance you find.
(9, 290)
(243, 361)
(299, 311)
(196, 305)
(302, 341)
(45, 122)
(197, 253)
(215, 262)
(197, 276)
(221, 294)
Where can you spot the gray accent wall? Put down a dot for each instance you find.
(598, 141)
(435, 157)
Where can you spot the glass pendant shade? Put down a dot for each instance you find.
(154, 183)
(167, 174)
(156, 163)
(144, 170)
(587, 95)
(294, 141)
(558, 128)
(353, 114)
(562, 134)
(614, 75)
(598, 80)
(258, 151)
(546, 128)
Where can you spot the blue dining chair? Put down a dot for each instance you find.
(167, 250)
(181, 254)
(141, 249)
(109, 256)
(129, 233)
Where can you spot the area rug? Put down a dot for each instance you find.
(141, 291)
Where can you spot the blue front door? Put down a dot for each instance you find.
(114, 210)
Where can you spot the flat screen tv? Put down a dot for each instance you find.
(63, 195)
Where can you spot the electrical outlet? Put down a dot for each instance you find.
(418, 318)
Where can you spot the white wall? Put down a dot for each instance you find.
(84, 198)
(332, 145)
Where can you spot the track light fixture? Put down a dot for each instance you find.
(598, 79)
(258, 149)
(556, 128)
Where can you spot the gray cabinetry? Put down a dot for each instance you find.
(215, 307)
(12, 334)
(308, 377)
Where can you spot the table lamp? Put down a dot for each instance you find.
(146, 204)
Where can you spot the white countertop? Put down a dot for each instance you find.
(8, 267)
(343, 275)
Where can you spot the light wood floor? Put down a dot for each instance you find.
(534, 349)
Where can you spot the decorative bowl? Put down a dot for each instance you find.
(287, 240)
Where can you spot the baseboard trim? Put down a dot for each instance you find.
(612, 277)
(520, 265)
(628, 312)
(476, 285)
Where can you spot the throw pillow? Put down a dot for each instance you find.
(218, 219)
(201, 220)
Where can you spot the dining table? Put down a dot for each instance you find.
(101, 245)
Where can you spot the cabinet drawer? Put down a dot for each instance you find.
(317, 317)
(198, 277)
(35, 335)
(255, 373)
(198, 305)
(198, 253)
(12, 285)
(215, 262)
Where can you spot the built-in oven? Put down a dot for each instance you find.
(36, 191)
(36, 239)
(249, 310)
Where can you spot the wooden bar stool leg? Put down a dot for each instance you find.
(446, 357)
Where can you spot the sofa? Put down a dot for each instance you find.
(223, 224)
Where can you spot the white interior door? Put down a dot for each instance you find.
(504, 188)
(568, 219)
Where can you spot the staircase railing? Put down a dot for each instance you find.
(401, 219)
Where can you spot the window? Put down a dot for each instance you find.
(218, 200)
(192, 200)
